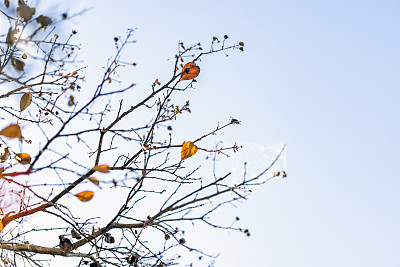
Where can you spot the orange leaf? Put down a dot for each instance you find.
(85, 196)
(94, 180)
(190, 71)
(104, 168)
(188, 150)
(23, 158)
(74, 73)
(108, 79)
(26, 100)
(12, 131)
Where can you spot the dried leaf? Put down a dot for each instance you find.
(23, 158)
(10, 39)
(24, 11)
(4, 154)
(94, 180)
(104, 168)
(188, 150)
(7, 3)
(12, 131)
(26, 100)
(75, 234)
(85, 196)
(71, 100)
(43, 21)
(190, 71)
(17, 64)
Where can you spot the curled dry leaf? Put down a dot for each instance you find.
(24, 11)
(104, 168)
(85, 196)
(43, 21)
(7, 3)
(4, 154)
(12, 131)
(17, 64)
(188, 150)
(190, 71)
(94, 180)
(26, 100)
(11, 39)
(71, 100)
(23, 158)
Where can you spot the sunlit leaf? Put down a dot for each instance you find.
(24, 11)
(188, 150)
(94, 180)
(4, 154)
(17, 64)
(85, 196)
(26, 100)
(23, 158)
(104, 168)
(12, 131)
(190, 71)
(43, 21)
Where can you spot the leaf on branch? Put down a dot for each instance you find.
(23, 158)
(24, 11)
(7, 3)
(10, 39)
(12, 131)
(17, 64)
(26, 100)
(94, 180)
(104, 168)
(85, 196)
(43, 21)
(188, 150)
(4, 154)
(190, 71)
(71, 100)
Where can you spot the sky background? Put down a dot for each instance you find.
(320, 76)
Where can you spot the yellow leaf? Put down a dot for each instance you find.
(85, 196)
(12, 131)
(190, 71)
(104, 168)
(26, 100)
(23, 158)
(188, 150)
(94, 180)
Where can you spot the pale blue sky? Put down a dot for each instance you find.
(321, 76)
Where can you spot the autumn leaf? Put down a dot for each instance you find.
(7, 3)
(23, 158)
(10, 39)
(24, 11)
(104, 168)
(12, 131)
(43, 21)
(85, 196)
(4, 154)
(17, 64)
(26, 100)
(94, 180)
(190, 71)
(188, 150)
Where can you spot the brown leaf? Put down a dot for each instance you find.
(104, 168)
(190, 71)
(23, 158)
(94, 180)
(17, 64)
(7, 3)
(24, 11)
(71, 100)
(85, 196)
(10, 39)
(26, 100)
(4, 154)
(12, 131)
(43, 21)
(188, 150)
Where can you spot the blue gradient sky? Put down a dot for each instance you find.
(321, 76)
